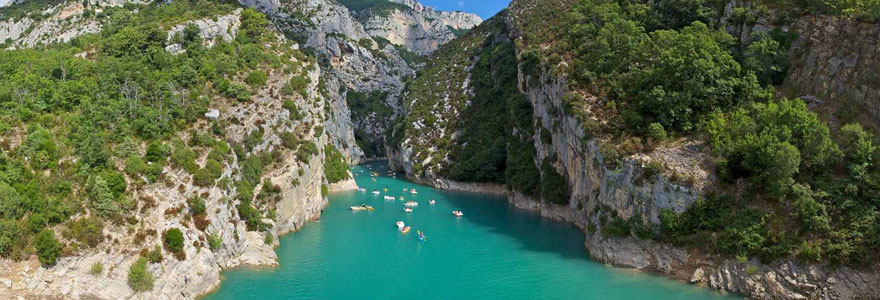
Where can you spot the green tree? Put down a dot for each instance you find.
(253, 26)
(48, 247)
(102, 198)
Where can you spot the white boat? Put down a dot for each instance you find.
(408, 209)
(411, 204)
(375, 192)
(400, 225)
(457, 213)
(413, 191)
(432, 202)
(362, 190)
(362, 207)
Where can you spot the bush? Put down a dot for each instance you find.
(87, 231)
(335, 168)
(656, 132)
(215, 241)
(96, 269)
(134, 166)
(184, 157)
(155, 255)
(157, 151)
(289, 140)
(48, 247)
(256, 79)
(140, 279)
(174, 240)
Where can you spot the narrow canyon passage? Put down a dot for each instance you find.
(495, 251)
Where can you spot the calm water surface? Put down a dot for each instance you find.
(494, 252)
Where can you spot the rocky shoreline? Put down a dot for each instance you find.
(753, 279)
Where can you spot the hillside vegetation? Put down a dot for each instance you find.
(86, 123)
(643, 72)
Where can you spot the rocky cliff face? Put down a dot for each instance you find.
(837, 59)
(418, 28)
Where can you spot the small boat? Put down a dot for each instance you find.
(405, 189)
(405, 229)
(432, 202)
(411, 203)
(389, 197)
(401, 198)
(375, 192)
(362, 207)
(413, 191)
(422, 236)
(457, 213)
(408, 209)
(400, 225)
(362, 190)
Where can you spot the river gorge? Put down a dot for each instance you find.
(495, 251)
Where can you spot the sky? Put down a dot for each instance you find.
(484, 8)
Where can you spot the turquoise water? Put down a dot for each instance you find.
(494, 252)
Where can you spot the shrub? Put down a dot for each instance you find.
(174, 240)
(48, 247)
(656, 132)
(215, 241)
(157, 151)
(184, 157)
(155, 255)
(335, 168)
(252, 217)
(96, 269)
(289, 140)
(269, 239)
(203, 178)
(87, 231)
(256, 79)
(140, 279)
(134, 166)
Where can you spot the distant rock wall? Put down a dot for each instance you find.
(420, 29)
(837, 59)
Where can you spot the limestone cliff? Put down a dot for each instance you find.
(418, 28)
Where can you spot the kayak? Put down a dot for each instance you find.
(400, 225)
(458, 213)
(409, 210)
(405, 230)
